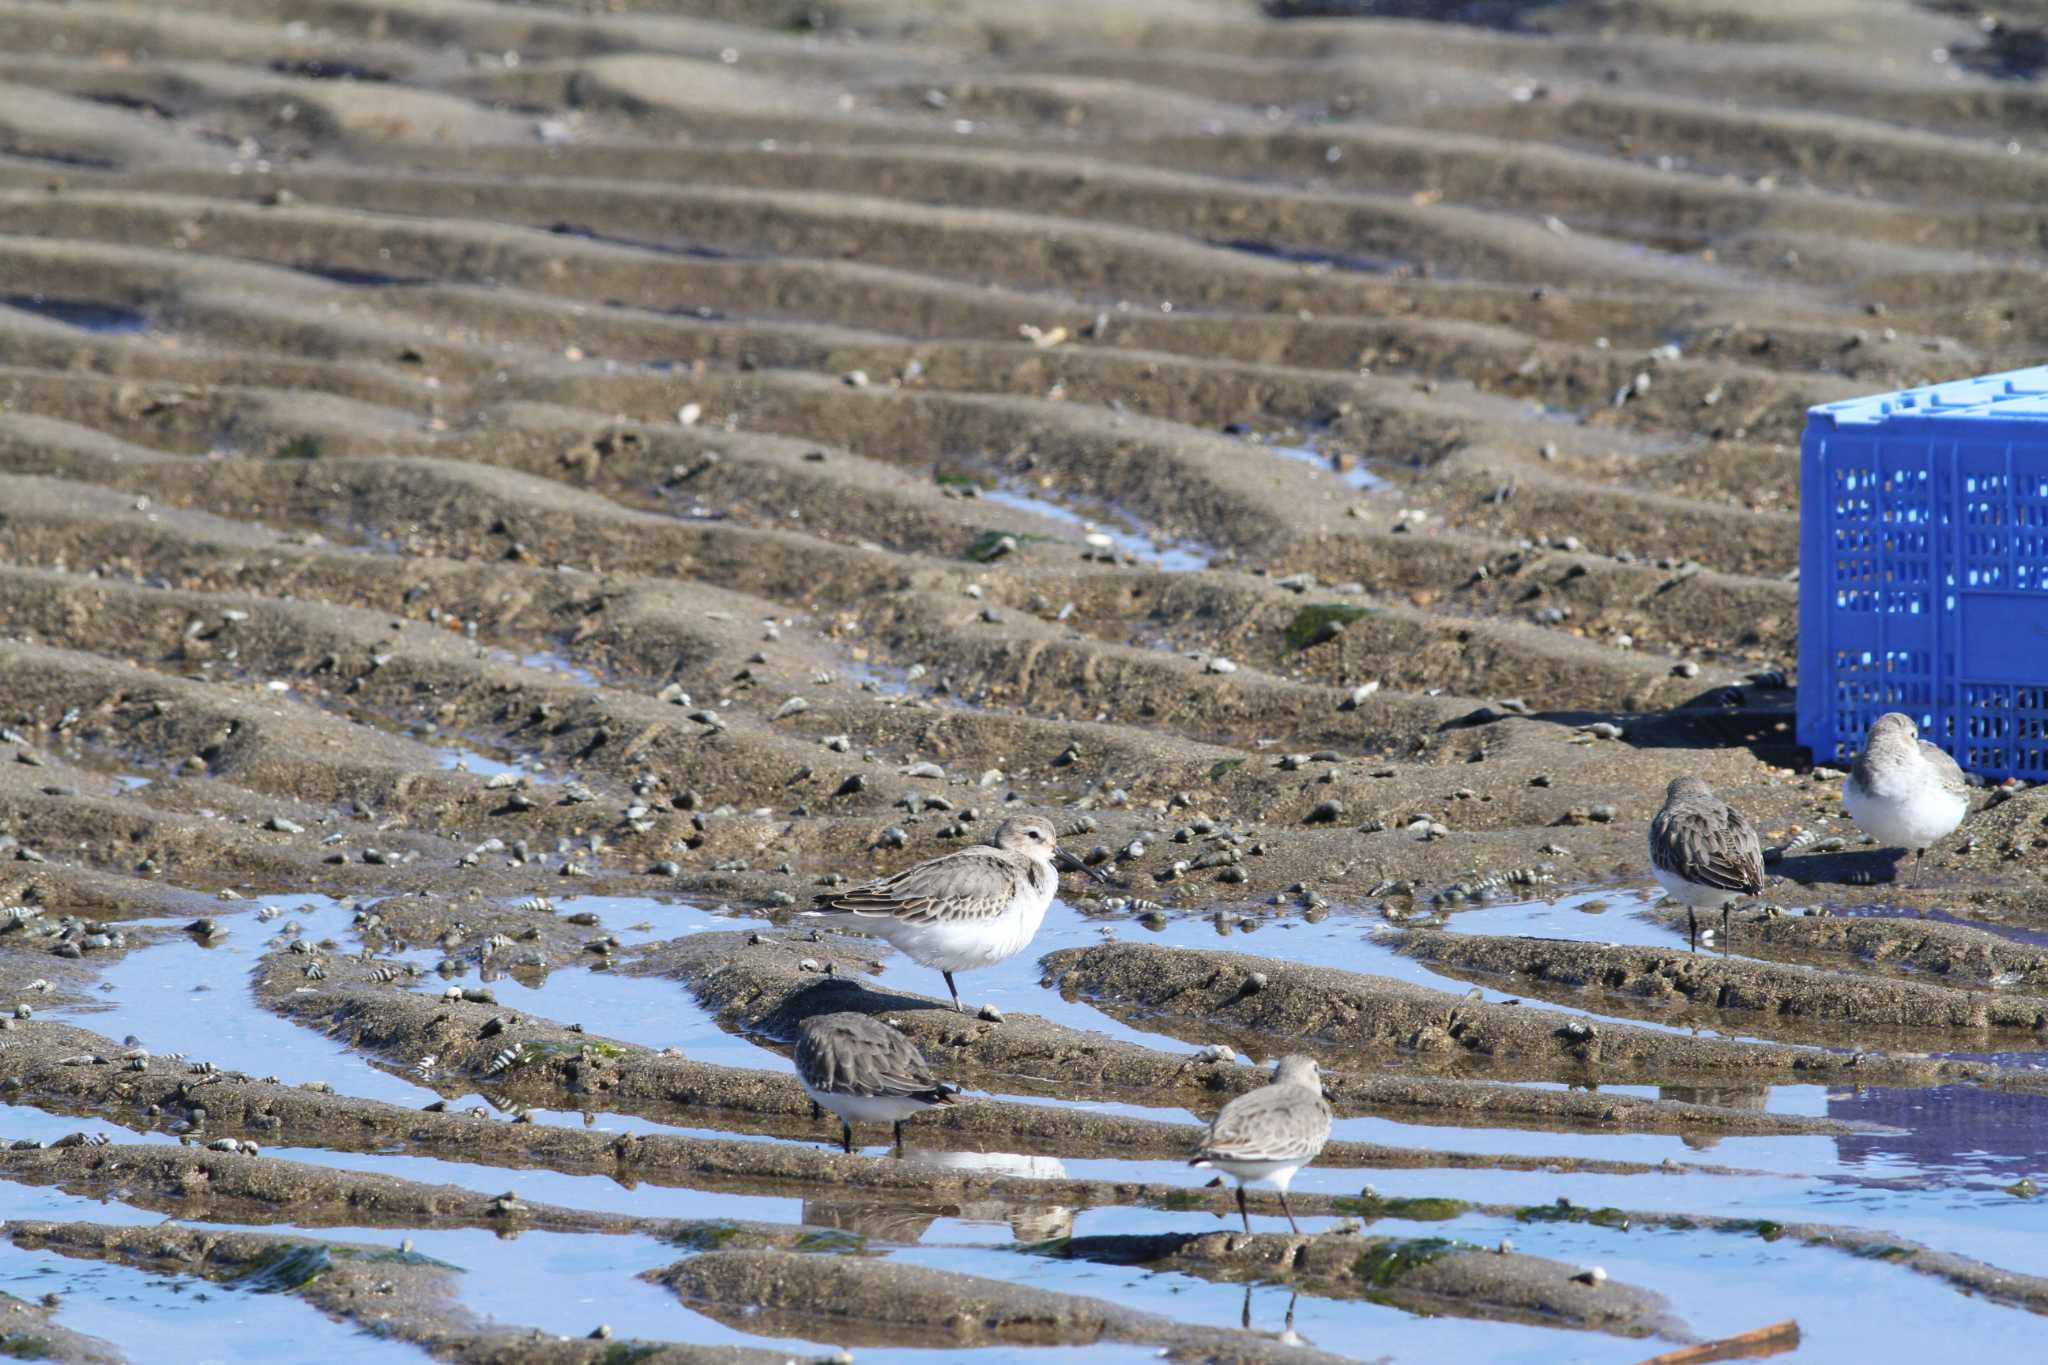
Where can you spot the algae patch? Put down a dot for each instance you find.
(1323, 621)
(1421, 1210)
(1385, 1265)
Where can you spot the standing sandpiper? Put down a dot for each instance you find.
(1270, 1133)
(1703, 853)
(1903, 791)
(969, 908)
(866, 1072)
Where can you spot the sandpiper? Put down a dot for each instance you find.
(1903, 791)
(969, 908)
(1270, 1133)
(865, 1072)
(1703, 853)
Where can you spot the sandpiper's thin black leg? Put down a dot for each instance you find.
(899, 1137)
(956, 992)
(1292, 1299)
(1290, 1214)
(846, 1135)
(817, 1111)
(1724, 928)
(1692, 927)
(1241, 1210)
(1245, 1318)
(1918, 854)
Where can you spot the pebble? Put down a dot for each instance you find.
(1219, 664)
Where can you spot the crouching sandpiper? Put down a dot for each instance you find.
(970, 908)
(865, 1072)
(1703, 853)
(1903, 791)
(1270, 1133)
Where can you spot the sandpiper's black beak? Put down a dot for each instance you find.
(1067, 862)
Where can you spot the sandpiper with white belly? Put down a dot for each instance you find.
(1703, 853)
(1903, 791)
(970, 908)
(1270, 1133)
(865, 1072)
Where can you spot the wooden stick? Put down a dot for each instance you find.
(1763, 1341)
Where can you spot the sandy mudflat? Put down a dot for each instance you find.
(518, 497)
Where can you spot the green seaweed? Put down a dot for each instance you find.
(1181, 1200)
(1884, 1253)
(1572, 1213)
(2023, 1188)
(955, 477)
(1303, 630)
(1384, 1266)
(706, 1236)
(393, 1256)
(300, 448)
(1762, 1227)
(26, 1348)
(286, 1269)
(987, 546)
(1222, 767)
(1422, 1210)
(829, 1239)
(626, 1352)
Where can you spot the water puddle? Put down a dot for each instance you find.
(98, 318)
(463, 759)
(1308, 450)
(1940, 1171)
(2033, 938)
(183, 1317)
(1314, 256)
(1169, 556)
(648, 1010)
(188, 997)
(550, 662)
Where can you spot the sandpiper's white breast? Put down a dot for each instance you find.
(1692, 893)
(866, 1108)
(960, 945)
(1910, 809)
(1279, 1173)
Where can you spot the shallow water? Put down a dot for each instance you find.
(1308, 450)
(1171, 556)
(182, 1317)
(99, 318)
(1939, 1171)
(462, 758)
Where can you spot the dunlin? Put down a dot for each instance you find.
(1270, 1133)
(1703, 853)
(865, 1072)
(969, 908)
(1903, 791)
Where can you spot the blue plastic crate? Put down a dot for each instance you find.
(1923, 571)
